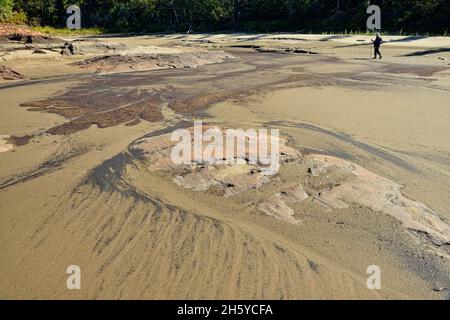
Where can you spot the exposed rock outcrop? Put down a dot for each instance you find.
(332, 182)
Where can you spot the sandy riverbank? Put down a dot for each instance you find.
(79, 188)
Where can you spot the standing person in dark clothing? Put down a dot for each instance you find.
(376, 45)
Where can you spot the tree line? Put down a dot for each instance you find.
(408, 16)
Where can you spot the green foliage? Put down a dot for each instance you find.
(6, 7)
(408, 16)
(18, 18)
(66, 32)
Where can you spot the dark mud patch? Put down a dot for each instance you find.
(194, 104)
(19, 140)
(128, 98)
(84, 107)
(107, 175)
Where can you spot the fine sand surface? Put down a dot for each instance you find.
(4, 145)
(86, 178)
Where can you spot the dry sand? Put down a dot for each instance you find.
(88, 182)
(4, 145)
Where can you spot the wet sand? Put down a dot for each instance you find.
(74, 190)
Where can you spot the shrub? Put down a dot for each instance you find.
(18, 18)
(6, 7)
